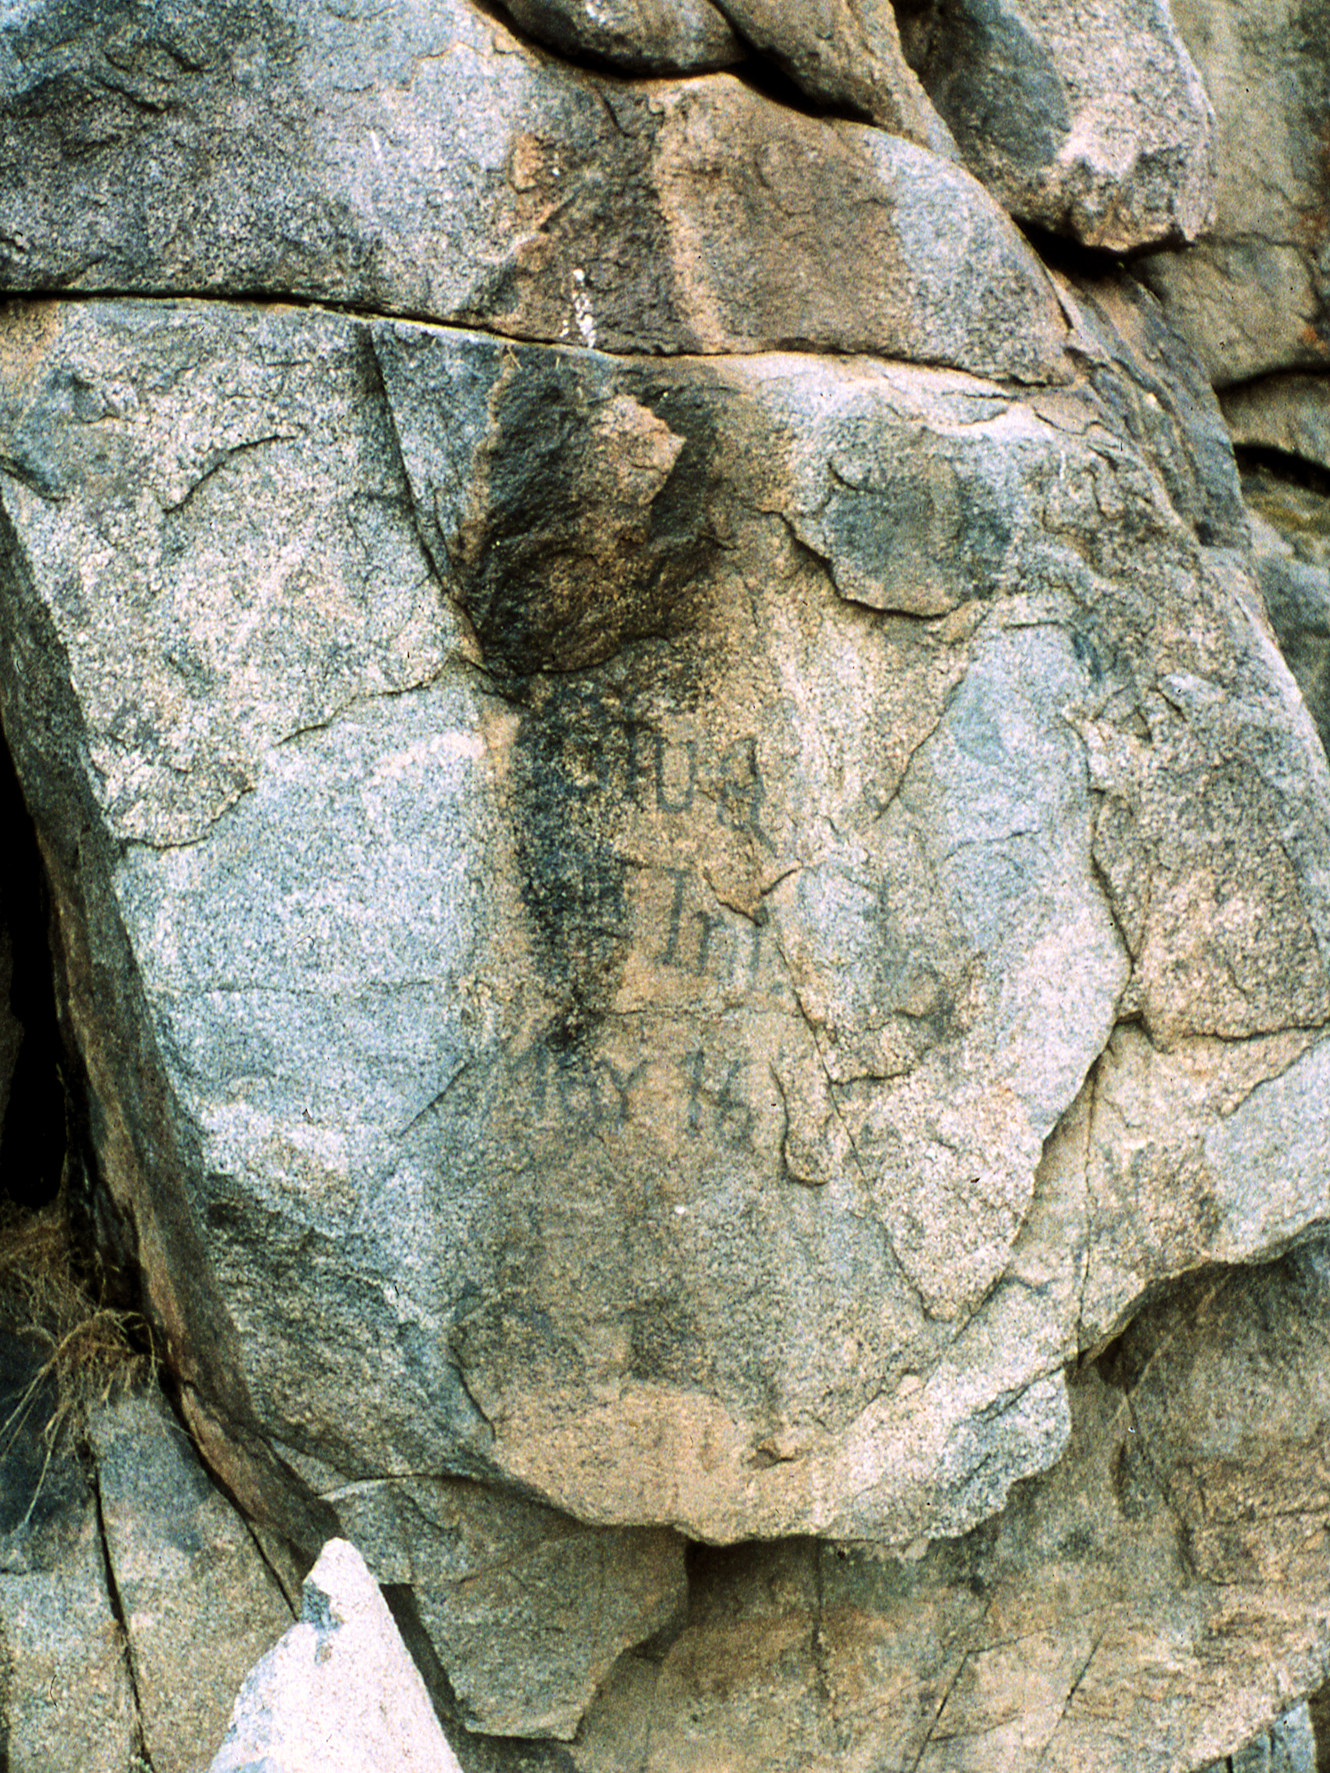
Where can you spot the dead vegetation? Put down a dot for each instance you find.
(84, 1352)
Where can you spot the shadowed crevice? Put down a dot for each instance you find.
(33, 1140)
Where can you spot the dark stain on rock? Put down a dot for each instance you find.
(593, 539)
(588, 228)
(1134, 1483)
(593, 529)
(989, 75)
(573, 880)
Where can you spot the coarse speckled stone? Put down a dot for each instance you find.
(1089, 119)
(420, 159)
(1253, 296)
(338, 1690)
(521, 959)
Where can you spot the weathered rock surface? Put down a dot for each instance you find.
(1254, 295)
(66, 1695)
(843, 53)
(1158, 396)
(1297, 596)
(1289, 413)
(1211, 1115)
(847, 53)
(291, 150)
(685, 867)
(1289, 1746)
(1291, 541)
(527, 1610)
(65, 1689)
(519, 743)
(1152, 1603)
(198, 1602)
(1290, 512)
(1088, 119)
(638, 36)
(133, 1599)
(338, 1690)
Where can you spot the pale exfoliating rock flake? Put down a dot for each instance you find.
(338, 1690)
(528, 1610)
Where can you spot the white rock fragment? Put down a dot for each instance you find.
(338, 1693)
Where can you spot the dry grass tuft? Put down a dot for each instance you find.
(89, 1352)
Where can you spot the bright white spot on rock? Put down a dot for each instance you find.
(586, 325)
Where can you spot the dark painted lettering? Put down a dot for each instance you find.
(695, 1065)
(623, 1082)
(709, 943)
(640, 740)
(727, 1113)
(671, 797)
(742, 791)
(710, 921)
(734, 1116)
(670, 953)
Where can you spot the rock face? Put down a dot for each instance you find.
(1290, 507)
(842, 53)
(294, 150)
(1291, 534)
(1090, 120)
(1286, 413)
(847, 53)
(638, 36)
(133, 1598)
(527, 1609)
(339, 1690)
(478, 866)
(66, 1693)
(198, 1602)
(1288, 1747)
(1165, 1570)
(688, 882)
(1254, 297)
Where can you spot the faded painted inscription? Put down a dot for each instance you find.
(574, 1087)
(655, 773)
(590, 1093)
(708, 941)
(661, 796)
